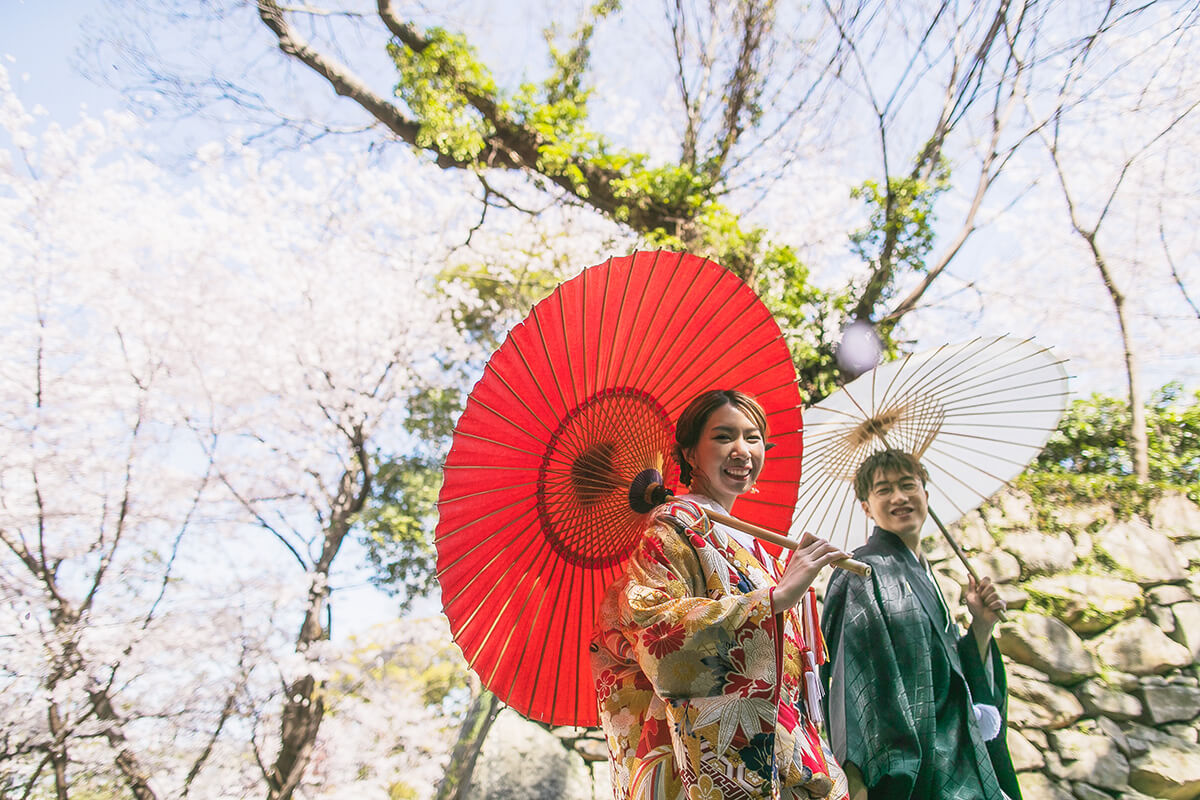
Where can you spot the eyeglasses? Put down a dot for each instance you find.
(906, 486)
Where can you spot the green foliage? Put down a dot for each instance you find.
(900, 230)
(397, 527)
(674, 206)
(431, 414)
(570, 64)
(1094, 438)
(436, 83)
(428, 664)
(494, 298)
(402, 791)
(804, 313)
(1087, 460)
(1050, 490)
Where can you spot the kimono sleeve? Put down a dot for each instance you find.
(868, 711)
(993, 692)
(687, 643)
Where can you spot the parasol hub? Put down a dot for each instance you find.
(587, 466)
(876, 427)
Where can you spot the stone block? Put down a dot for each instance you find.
(1015, 598)
(1041, 553)
(1000, 566)
(1163, 617)
(1087, 603)
(1079, 517)
(1142, 737)
(1036, 786)
(972, 534)
(1097, 698)
(1084, 545)
(1091, 757)
(951, 589)
(1024, 754)
(1168, 595)
(1140, 647)
(1085, 791)
(1113, 731)
(1133, 794)
(936, 550)
(521, 759)
(1176, 516)
(1147, 556)
(1123, 680)
(591, 750)
(1047, 645)
(1187, 626)
(1187, 731)
(1170, 703)
(1037, 738)
(1189, 553)
(1019, 670)
(1036, 704)
(1009, 509)
(1168, 770)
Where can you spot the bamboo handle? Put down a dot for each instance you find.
(958, 551)
(857, 567)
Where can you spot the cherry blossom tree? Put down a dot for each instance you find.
(199, 372)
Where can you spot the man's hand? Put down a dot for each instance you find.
(805, 562)
(985, 605)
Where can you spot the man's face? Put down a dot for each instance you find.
(897, 502)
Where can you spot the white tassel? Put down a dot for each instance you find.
(988, 718)
(812, 688)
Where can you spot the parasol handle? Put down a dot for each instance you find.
(646, 491)
(958, 551)
(853, 565)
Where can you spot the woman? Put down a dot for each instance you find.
(698, 654)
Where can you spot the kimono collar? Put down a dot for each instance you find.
(744, 539)
(920, 579)
(894, 542)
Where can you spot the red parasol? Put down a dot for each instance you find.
(534, 514)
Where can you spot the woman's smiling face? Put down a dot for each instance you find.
(728, 457)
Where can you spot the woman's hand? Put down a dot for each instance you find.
(803, 566)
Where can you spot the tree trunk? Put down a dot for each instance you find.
(475, 727)
(303, 707)
(301, 719)
(58, 752)
(1139, 440)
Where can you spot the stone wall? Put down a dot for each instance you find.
(1102, 645)
(1102, 642)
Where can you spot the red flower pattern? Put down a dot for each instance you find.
(662, 638)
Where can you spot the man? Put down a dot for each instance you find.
(914, 710)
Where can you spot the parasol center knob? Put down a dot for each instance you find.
(593, 474)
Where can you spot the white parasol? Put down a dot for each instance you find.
(975, 414)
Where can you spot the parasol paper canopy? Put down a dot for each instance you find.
(975, 414)
(534, 514)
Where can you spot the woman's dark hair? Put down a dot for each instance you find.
(695, 417)
(897, 461)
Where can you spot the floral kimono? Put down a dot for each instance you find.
(700, 687)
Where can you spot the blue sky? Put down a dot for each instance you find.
(39, 41)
